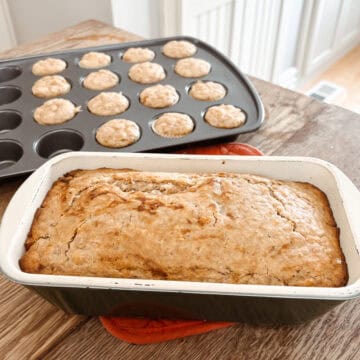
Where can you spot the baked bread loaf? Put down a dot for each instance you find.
(225, 227)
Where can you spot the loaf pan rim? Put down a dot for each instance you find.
(341, 293)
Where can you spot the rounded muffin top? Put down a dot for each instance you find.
(179, 49)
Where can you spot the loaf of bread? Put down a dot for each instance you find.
(224, 228)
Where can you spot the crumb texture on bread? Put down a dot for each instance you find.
(224, 227)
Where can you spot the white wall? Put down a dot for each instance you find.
(35, 18)
(260, 36)
(291, 23)
(7, 38)
(283, 41)
(335, 29)
(141, 17)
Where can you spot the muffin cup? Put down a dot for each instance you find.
(174, 136)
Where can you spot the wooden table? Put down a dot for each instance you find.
(31, 328)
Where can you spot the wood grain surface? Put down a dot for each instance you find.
(31, 328)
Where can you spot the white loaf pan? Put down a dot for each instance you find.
(114, 296)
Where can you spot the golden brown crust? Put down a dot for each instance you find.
(230, 228)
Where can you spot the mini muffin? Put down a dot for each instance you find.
(179, 49)
(146, 73)
(108, 103)
(138, 55)
(118, 133)
(55, 111)
(173, 125)
(207, 91)
(225, 116)
(51, 86)
(94, 60)
(159, 96)
(49, 66)
(100, 80)
(192, 67)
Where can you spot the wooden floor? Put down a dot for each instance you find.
(345, 73)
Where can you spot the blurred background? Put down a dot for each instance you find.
(312, 46)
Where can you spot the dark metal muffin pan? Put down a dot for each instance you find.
(25, 145)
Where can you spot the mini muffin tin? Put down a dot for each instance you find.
(25, 144)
